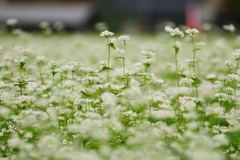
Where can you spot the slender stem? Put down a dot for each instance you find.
(61, 79)
(146, 71)
(41, 75)
(177, 71)
(108, 64)
(194, 67)
(124, 76)
(53, 81)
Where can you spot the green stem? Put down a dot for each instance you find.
(146, 71)
(53, 81)
(41, 75)
(194, 67)
(108, 65)
(177, 71)
(124, 76)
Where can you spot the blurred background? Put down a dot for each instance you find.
(120, 15)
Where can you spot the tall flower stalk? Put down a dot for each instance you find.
(110, 44)
(124, 38)
(192, 33)
(53, 65)
(175, 33)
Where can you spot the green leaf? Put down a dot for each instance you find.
(176, 50)
(118, 58)
(112, 46)
(196, 49)
(104, 69)
(196, 81)
(182, 75)
(85, 94)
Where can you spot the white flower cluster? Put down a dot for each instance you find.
(52, 64)
(44, 25)
(149, 57)
(192, 31)
(177, 44)
(124, 38)
(11, 22)
(40, 58)
(174, 32)
(236, 54)
(120, 51)
(223, 97)
(21, 59)
(186, 81)
(230, 28)
(211, 76)
(112, 40)
(106, 33)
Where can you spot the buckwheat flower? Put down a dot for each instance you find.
(149, 57)
(112, 40)
(44, 25)
(186, 81)
(174, 32)
(230, 64)
(52, 64)
(59, 26)
(5, 112)
(20, 60)
(199, 44)
(109, 99)
(207, 27)
(192, 31)
(28, 135)
(159, 97)
(236, 54)
(53, 99)
(106, 33)
(101, 26)
(211, 76)
(11, 22)
(222, 96)
(120, 51)
(157, 81)
(177, 44)
(40, 58)
(124, 38)
(163, 114)
(230, 28)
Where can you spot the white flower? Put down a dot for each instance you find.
(59, 26)
(44, 25)
(40, 58)
(106, 33)
(230, 28)
(177, 44)
(174, 32)
(112, 40)
(199, 44)
(124, 38)
(192, 31)
(236, 54)
(52, 64)
(120, 51)
(11, 22)
(211, 76)
(149, 57)
(20, 60)
(185, 81)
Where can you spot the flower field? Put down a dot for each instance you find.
(104, 96)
